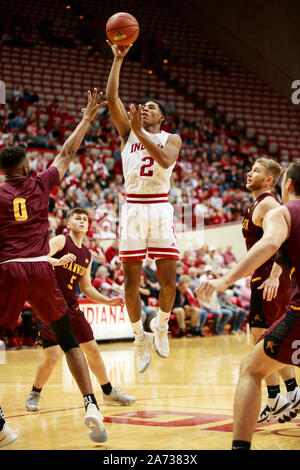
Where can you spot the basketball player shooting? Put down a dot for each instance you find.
(146, 227)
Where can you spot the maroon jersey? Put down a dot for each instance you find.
(69, 275)
(24, 227)
(293, 248)
(252, 233)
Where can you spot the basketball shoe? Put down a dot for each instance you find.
(7, 436)
(294, 398)
(32, 402)
(117, 398)
(94, 421)
(143, 352)
(161, 340)
(276, 408)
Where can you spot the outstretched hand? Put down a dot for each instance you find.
(135, 118)
(93, 104)
(69, 258)
(118, 51)
(117, 302)
(270, 288)
(207, 288)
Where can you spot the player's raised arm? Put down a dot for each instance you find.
(115, 105)
(74, 141)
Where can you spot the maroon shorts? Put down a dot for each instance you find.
(282, 339)
(264, 313)
(81, 327)
(32, 281)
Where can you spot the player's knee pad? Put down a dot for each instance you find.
(64, 334)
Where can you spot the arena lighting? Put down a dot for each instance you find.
(150, 72)
(165, 61)
(68, 7)
(81, 17)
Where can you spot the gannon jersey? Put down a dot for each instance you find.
(143, 175)
(69, 275)
(252, 233)
(293, 245)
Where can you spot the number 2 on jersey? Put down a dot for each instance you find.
(145, 168)
(20, 211)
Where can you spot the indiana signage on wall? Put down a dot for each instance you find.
(107, 322)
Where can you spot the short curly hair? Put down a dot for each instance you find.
(11, 157)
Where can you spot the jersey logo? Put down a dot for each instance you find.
(245, 224)
(257, 318)
(270, 345)
(139, 146)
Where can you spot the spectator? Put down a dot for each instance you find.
(182, 308)
(244, 294)
(75, 166)
(151, 278)
(105, 284)
(222, 315)
(98, 256)
(179, 270)
(148, 312)
(238, 314)
(194, 277)
(112, 251)
(117, 271)
(212, 260)
(106, 233)
(229, 257)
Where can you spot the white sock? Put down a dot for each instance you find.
(163, 319)
(138, 330)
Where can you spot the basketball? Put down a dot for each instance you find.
(122, 29)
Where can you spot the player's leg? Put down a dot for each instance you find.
(97, 367)
(52, 354)
(7, 435)
(14, 292)
(52, 311)
(132, 274)
(166, 272)
(287, 374)
(143, 341)
(277, 406)
(247, 400)
(162, 248)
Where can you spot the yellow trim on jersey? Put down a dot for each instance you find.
(293, 269)
(294, 307)
(256, 279)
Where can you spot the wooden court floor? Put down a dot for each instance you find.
(183, 402)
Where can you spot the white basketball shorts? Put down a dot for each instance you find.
(147, 229)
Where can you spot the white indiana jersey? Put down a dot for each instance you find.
(143, 175)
